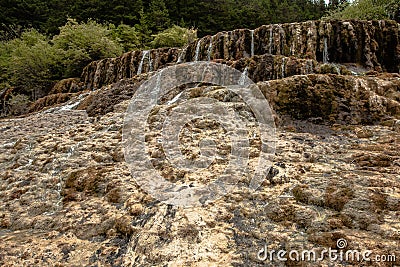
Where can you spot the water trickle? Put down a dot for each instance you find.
(150, 62)
(243, 76)
(196, 57)
(309, 67)
(252, 42)
(139, 71)
(270, 39)
(172, 101)
(70, 105)
(283, 66)
(325, 55)
(182, 54)
(210, 49)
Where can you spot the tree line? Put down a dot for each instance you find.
(207, 16)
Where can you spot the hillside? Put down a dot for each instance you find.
(71, 197)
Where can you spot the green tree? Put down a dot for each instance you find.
(156, 16)
(174, 37)
(128, 37)
(34, 65)
(366, 9)
(83, 43)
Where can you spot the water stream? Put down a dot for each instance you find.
(325, 55)
(252, 42)
(271, 34)
(145, 53)
(196, 57)
(210, 49)
(243, 76)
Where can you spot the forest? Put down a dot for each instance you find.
(207, 16)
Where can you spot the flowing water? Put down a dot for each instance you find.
(182, 55)
(196, 57)
(325, 55)
(309, 67)
(243, 76)
(283, 66)
(145, 53)
(210, 49)
(150, 62)
(252, 42)
(270, 39)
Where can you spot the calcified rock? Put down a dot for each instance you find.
(333, 98)
(51, 100)
(374, 44)
(110, 70)
(71, 85)
(68, 198)
(269, 67)
(336, 98)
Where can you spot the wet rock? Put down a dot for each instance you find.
(335, 98)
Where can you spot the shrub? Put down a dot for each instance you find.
(33, 64)
(84, 43)
(128, 37)
(174, 37)
(366, 9)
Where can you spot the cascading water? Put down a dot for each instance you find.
(139, 71)
(70, 105)
(182, 54)
(325, 55)
(270, 40)
(210, 49)
(243, 76)
(150, 63)
(196, 57)
(252, 42)
(283, 66)
(309, 67)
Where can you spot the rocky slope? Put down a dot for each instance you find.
(372, 44)
(68, 198)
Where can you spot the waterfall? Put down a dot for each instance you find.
(196, 57)
(210, 49)
(139, 71)
(243, 76)
(270, 39)
(150, 62)
(252, 42)
(281, 39)
(309, 67)
(325, 55)
(283, 67)
(181, 55)
(172, 101)
(70, 105)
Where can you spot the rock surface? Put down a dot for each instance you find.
(372, 44)
(68, 198)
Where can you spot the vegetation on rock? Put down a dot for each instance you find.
(174, 37)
